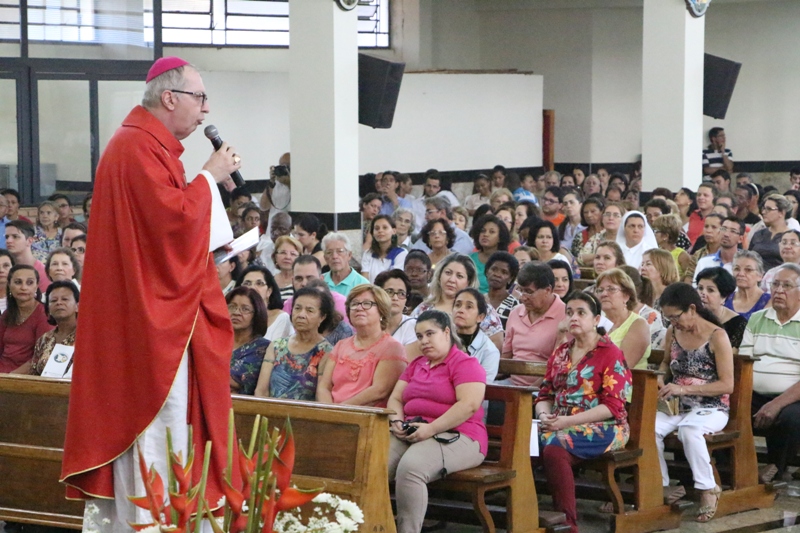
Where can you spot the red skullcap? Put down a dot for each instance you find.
(163, 65)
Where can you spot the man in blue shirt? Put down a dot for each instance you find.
(388, 186)
(3, 219)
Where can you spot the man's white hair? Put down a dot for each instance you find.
(337, 236)
(170, 80)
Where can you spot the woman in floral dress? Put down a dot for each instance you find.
(581, 404)
(249, 320)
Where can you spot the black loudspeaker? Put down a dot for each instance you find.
(378, 88)
(719, 79)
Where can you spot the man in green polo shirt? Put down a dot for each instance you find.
(338, 251)
(773, 335)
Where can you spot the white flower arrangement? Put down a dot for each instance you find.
(347, 516)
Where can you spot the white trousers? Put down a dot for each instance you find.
(115, 516)
(691, 427)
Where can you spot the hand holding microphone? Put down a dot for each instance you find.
(224, 162)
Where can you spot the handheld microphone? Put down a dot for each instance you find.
(213, 135)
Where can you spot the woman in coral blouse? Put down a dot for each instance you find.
(364, 368)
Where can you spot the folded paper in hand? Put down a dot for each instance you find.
(245, 242)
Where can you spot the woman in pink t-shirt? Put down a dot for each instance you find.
(364, 368)
(438, 424)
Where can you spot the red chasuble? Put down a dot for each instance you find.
(149, 291)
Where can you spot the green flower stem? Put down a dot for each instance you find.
(201, 498)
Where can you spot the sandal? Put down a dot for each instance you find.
(767, 473)
(707, 512)
(673, 494)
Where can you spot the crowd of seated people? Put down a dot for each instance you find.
(552, 268)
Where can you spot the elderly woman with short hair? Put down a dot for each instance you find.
(404, 222)
(287, 249)
(364, 368)
(62, 264)
(748, 269)
(439, 236)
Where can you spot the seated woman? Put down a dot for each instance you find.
(607, 255)
(543, 236)
(490, 235)
(78, 247)
(62, 265)
(468, 311)
(698, 370)
(384, 253)
(714, 285)
(363, 369)
(61, 306)
(227, 272)
(401, 326)
(592, 221)
(635, 237)
(789, 248)
(461, 218)
(404, 223)
(292, 365)
(611, 219)
(6, 262)
(659, 267)
(748, 269)
(501, 273)
(48, 233)
(260, 279)
(507, 214)
(644, 297)
(445, 387)
(23, 322)
(287, 249)
(439, 236)
(630, 332)
(339, 328)
(667, 229)
(458, 272)
(525, 254)
(581, 403)
(310, 231)
(563, 274)
(249, 319)
(481, 189)
(572, 223)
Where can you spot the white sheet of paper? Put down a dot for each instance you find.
(58, 362)
(535, 438)
(245, 242)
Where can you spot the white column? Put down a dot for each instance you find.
(672, 96)
(323, 110)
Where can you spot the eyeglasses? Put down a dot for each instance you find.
(674, 317)
(611, 215)
(365, 305)
(392, 293)
(80, 250)
(258, 283)
(203, 96)
(607, 290)
(336, 251)
(415, 271)
(233, 308)
(737, 269)
(550, 200)
(730, 230)
(790, 243)
(527, 292)
(437, 233)
(784, 286)
(769, 209)
(431, 211)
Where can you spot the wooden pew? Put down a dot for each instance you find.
(509, 469)
(641, 457)
(342, 449)
(582, 284)
(743, 491)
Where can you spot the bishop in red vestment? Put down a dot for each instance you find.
(154, 327)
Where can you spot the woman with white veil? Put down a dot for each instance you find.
(635, 237)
